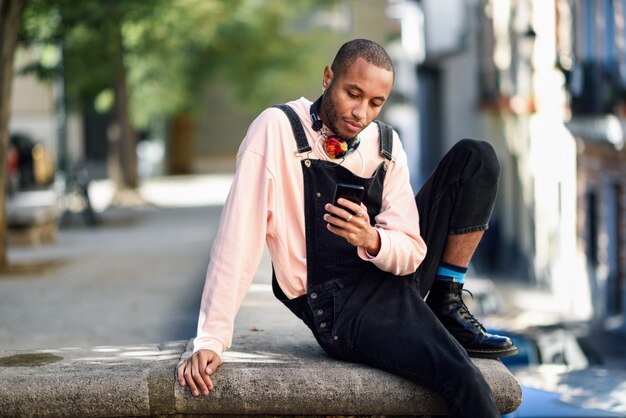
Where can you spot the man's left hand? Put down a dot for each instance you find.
(352, 223)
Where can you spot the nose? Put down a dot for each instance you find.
(359, 111)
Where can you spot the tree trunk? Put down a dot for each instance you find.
(181, 144)
(10, 20)
(123, 137)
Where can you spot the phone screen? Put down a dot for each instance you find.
(350, 192)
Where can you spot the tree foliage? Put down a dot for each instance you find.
(86, 31)
(172, 49)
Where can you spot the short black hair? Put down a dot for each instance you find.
(370, 51)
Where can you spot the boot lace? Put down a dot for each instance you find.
(467, 315)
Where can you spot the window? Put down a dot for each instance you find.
(591, 227)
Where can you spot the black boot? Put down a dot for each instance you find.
(446, 302)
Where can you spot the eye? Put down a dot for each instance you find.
(376, 104)
(352, 95)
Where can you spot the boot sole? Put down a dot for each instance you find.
(492, 354)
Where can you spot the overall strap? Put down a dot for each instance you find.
(298, 131)
(386, 139)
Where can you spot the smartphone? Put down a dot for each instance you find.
(351, 192)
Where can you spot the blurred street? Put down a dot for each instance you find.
(137, 279)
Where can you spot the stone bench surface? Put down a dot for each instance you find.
(140, 381)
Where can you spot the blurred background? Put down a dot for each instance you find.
(125, 117)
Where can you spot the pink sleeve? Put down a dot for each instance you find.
(402, 249)
(237, 249)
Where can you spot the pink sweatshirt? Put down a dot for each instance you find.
(266, 205)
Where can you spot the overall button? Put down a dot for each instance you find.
(319, 312)
(313, 295)
(335, 337)
(319, 194)
(323, 325)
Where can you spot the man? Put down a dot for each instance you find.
(356, 273)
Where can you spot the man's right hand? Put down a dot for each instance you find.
(196, 370)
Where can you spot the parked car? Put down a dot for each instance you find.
(35, 165)
(13, 169)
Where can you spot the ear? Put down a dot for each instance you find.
(328, 77)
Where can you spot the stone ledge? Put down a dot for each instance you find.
(140, 381)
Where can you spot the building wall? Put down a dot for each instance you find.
(601, 226)
(521, 109)
(32, 106)
(597, 76)
(33, 112)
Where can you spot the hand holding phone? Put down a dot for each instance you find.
(358, 232)
(349, 192)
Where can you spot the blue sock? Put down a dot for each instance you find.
(450, 273)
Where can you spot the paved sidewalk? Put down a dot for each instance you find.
(135, 279)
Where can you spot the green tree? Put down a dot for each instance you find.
(93, 53)
(155, 58)
(261, 50)
(10, 19)
(253, 43)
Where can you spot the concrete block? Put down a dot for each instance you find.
(96, 382)
(304, 381)
(140, 381)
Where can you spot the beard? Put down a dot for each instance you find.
(328, 107)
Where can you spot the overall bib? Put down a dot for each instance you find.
(360, 313)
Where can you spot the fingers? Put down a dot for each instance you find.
(213, 364)
(340, 213)
(362, 213)
(337, 220)
(198, 372)
(348, 209)
(349, 205)
(195, 372)
(342, 217)
(181, 373)
(187, 375)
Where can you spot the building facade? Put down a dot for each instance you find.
(596, 75)
(543, 81)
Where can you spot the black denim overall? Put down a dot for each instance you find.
(360, 313)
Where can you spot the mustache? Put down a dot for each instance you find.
(355, 122)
